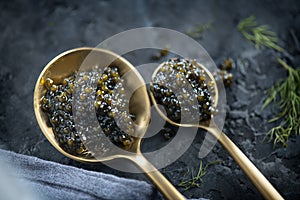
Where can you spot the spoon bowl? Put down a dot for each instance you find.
(214, 94)
(75, 60)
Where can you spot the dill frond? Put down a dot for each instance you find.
(197, 30)
(286, 96)
(260, 35)
(195, 180)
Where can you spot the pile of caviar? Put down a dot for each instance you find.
(58, 100)
(111, 94)
(224, 74)
(187, 76)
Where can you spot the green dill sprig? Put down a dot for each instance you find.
(195, 180)
(286, 95)
(198, 30)
(260, 35)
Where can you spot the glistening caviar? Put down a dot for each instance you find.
(180, 82)
(58, 99)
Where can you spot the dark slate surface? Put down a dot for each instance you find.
(33, 32)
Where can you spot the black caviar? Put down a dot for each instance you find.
(186, 75)
(224, 74)
(168, 131)
(162, 53)
(58, 101)
(109, 83)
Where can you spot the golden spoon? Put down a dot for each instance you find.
(69, 62)
(257, 178)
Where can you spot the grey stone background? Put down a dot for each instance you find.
(33, 32)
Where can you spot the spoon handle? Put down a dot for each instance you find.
(257, 178)
(161, 182)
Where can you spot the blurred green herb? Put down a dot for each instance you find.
(195, 180)
(197, 30)
(285, 94)
(260, 35)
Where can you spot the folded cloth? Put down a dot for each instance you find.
(34, 178)
(50, 180)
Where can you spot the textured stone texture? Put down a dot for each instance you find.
(34, 32)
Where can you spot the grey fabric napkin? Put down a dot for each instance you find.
(51, 180)
(29, 178)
